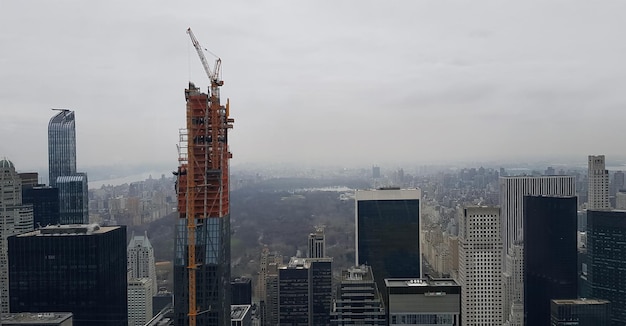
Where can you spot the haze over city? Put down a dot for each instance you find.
(352, 83)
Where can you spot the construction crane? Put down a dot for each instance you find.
(214, 75)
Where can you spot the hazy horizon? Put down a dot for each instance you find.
(319, 83)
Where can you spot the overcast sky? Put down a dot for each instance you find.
(322, 82)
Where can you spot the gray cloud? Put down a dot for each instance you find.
(353, 82)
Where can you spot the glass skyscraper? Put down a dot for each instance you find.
(387, 233)
(550, 254)
(606, 254)
(61, 145)
(73, 188)
(75, 268)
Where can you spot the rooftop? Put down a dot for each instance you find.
(69, 229)
(581, 301)
(239, 311)
(44, 318)
(410, 282)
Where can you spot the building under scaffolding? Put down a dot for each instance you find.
(202, 253)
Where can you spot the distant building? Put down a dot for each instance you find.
(141, 262)
(37, 319)
(598, 189)
(376, 172)
(241, 291)
(29, 179)
(15, 218)
(45, 201)
(423, 302)
(620, 199)
(550, 254)
(61, 145)
(240, 315)
(73, 189)
(139, 301)
(317, 244)
(580, 312)
(358, 301)
(606, 260)
(161, 300)
(75, 268)
(73, 199)
(618, 182)
(480, 266)
(387, 225)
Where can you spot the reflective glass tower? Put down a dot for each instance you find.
(61, 145)
(387, 233)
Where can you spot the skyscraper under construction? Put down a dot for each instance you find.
(202, 246)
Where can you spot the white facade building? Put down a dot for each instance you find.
(139, 301)
(15, 218)
(480, 266)
(141, 260)
(598, 187)
(512, 192)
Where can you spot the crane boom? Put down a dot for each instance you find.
(212, 74)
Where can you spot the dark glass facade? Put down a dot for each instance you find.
(550, 254)
(61, 145)
(388, 238)
(79, 269)
(241, 291)
(293, 296)
(73, 199)
(320, 290)
(580, 312)
(45, 201)
(212, 273)
(606, 257)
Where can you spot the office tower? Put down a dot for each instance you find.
(317, 243)
(267, 257)
(141, 260)
(73, 199)
(598, 188)
(61, 145)
(423, 302)
(15, 218)
(269, 307)
(358, 301)
(305, 291)
(480, 266)
(293, 292)
(45, 201)
(387, 233)
(241, 291)
(139, 301)
(580, 312)
(606, 255)
(512, 192)
(202, 245)
(73, 188)
(74, 268)
(550, 254)
(320, 290)
(29, 179)
(38, 319)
